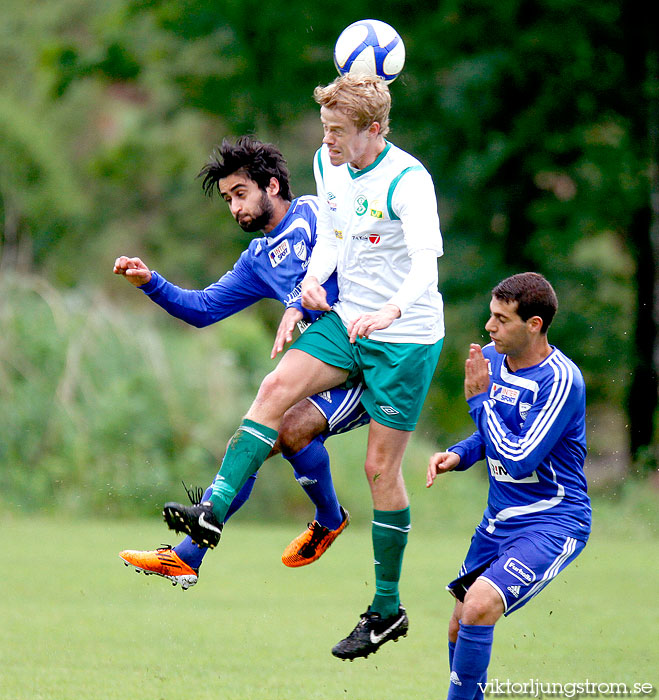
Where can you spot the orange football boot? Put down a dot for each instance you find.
(312, 543)
(164, 562)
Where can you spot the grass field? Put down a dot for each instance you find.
(75, 623)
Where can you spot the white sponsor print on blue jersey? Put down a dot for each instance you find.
(500, 473)
(504, 394)
(279, 253)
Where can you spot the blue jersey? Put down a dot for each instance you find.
(272, 267)
(531, 430)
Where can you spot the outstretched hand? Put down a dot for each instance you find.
(133, 269)
(285, 331)
(440, 463)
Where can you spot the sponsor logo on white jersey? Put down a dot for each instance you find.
(519, 571)
(500, 473)
(373, 238)
(338, 234)
(389, 410)
(279, 253)
(504, 394)
(514, 590)
(331, 200)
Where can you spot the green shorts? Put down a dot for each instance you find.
(396, 376)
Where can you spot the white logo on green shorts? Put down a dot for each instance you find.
(389, 410)
(361, 205)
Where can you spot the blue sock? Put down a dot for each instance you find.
(451, 654)
(470, 661)
(188, 550)
(311, 466)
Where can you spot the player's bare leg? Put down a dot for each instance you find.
(385, 619)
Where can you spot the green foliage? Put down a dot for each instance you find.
(103, 411)
(533, 119)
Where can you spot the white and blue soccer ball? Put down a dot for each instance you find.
(370, 47)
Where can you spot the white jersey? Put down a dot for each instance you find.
(370, 222)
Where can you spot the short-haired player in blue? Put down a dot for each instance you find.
(528, 402)
(253, 179)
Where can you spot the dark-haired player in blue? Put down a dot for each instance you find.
(253, 179)
(528, 402)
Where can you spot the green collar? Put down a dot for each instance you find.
(358, 173)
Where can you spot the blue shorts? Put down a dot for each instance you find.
(517, 567)
(342, 408)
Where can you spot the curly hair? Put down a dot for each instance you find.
(260, 161)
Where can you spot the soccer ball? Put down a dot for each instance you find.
(370, 47)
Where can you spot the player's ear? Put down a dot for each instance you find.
(535, 324)
(273, 188)
(374, 129)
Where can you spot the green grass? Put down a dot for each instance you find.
(76, 624)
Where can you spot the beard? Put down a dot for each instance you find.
(259, 218)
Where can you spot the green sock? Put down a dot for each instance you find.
(389, 532)
(247, 450)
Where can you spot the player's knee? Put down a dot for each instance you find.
(300, 425)
(380, 471)
(275, 390)
(291, 441)
(481, 606)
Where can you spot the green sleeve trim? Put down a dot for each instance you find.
(392, 187)
(320, 164)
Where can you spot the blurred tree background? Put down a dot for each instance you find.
(537, 118)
